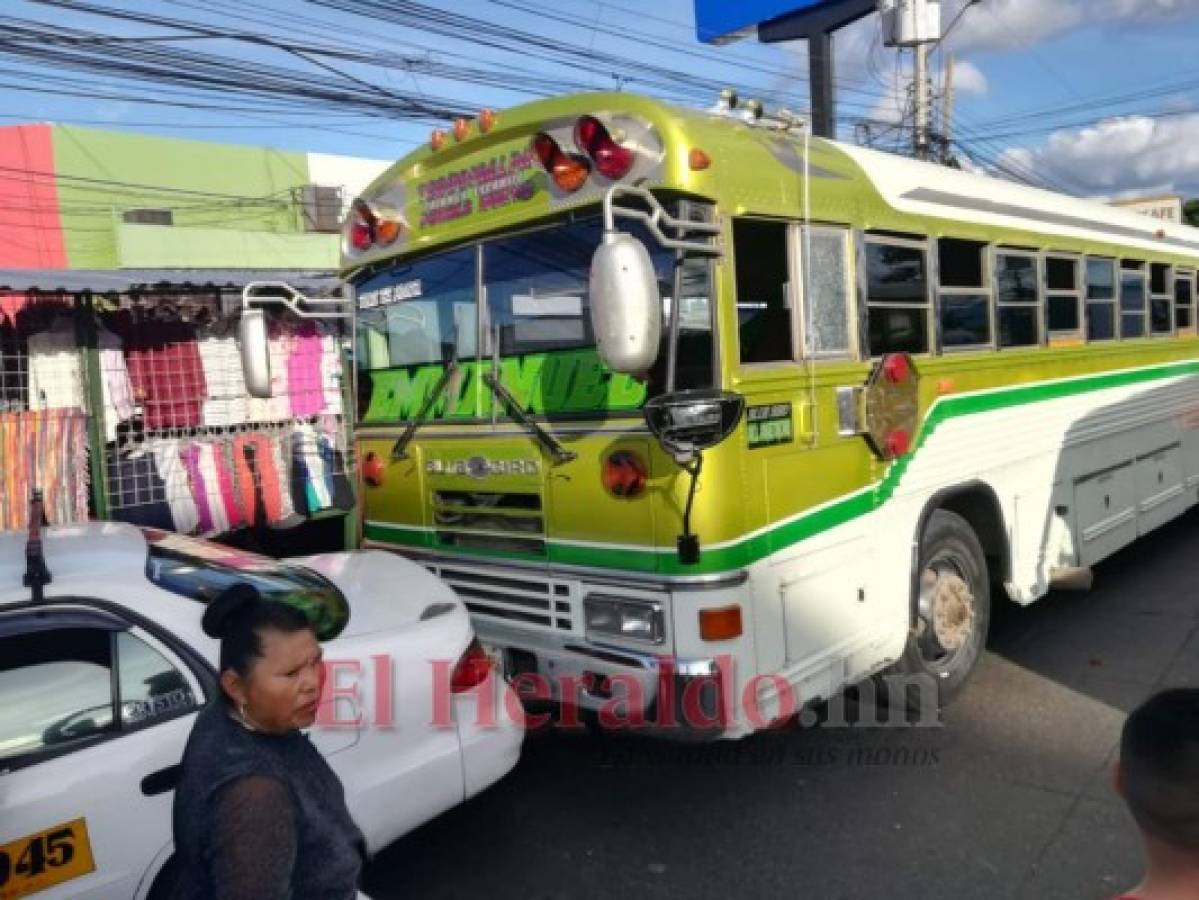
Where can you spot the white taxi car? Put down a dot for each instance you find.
(102, 676)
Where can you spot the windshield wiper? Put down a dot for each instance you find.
(547, 440)
(400, 449)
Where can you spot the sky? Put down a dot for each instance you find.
(1094, 97)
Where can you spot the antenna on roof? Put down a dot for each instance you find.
(37, 576)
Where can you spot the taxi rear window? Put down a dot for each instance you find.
(201, 570)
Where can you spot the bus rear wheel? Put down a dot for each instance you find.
(950, 616)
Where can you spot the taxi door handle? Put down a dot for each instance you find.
(162, 781)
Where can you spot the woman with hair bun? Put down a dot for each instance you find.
(258, 814)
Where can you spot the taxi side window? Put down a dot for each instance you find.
(55, 690)
(151, 688)
(58, 692)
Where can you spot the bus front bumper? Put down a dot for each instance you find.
(621, 689)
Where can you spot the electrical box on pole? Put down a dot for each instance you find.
(909, 23)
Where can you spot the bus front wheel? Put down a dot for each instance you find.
(950, 616)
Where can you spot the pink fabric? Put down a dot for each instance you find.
(191, 461)
(304, 381)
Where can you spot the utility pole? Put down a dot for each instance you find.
(947, 113)
(920, 142)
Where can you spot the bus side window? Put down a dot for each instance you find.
(1161, 319)
(1101, 299)
(764, 324)
(1017, 292)
(1133, 297)
(1063, 299)
(1184, 301)
(896, 296)
(826, 321)
(963, 298)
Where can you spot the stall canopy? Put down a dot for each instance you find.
(103, 281)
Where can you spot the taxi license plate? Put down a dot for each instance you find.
(38, 861)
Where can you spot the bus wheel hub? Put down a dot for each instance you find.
(948, 606)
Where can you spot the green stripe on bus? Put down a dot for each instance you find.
(758, 546)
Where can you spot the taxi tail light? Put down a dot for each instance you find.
(569, 170)
(611, 160)
(472, 669)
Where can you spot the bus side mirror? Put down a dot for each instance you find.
(255, 352)
(626, 311)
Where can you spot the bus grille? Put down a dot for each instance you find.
(476, 520)
(511, 599)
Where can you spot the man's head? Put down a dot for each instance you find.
(1159, 767)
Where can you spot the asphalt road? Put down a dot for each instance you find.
(1009, 798)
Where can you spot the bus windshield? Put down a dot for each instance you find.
(533, 330)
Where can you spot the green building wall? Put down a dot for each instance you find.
(232, 206)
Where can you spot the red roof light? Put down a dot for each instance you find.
(593, 138)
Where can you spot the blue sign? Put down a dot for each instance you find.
(716, 19)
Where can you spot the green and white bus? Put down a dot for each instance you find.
(911, 389)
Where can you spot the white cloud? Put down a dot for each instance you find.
(1010, 24)
(1129, 155)
(969, 79)
(1147, 12)
(1018, 24)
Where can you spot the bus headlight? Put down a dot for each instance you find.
(636, 620)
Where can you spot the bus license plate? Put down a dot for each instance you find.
(38, 861)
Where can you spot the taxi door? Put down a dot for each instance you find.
(94, 716)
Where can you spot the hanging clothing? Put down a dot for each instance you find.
(55, 367)
(189, 453)
(212, 487)
(166, 373)
(279, 344)
(262, 478)
(46, 449)
(305, 384)
(331, 371)
(171, 469)
(226, 402)
(114, 379)
(229, 499)
(246, 481)
(311, 471)
(280, 448)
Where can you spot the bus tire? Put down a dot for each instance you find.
(951, 614)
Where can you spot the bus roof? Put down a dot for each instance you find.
(919, 188)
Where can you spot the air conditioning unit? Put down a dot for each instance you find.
(322, 208)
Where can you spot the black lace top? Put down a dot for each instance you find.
(261, 817)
